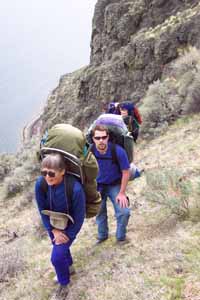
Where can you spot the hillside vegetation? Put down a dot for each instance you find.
(161, 260)
(148, 51)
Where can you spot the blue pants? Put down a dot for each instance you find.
(61, 259)
(122, 214)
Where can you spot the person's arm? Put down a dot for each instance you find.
(121, 197)
(125, 169)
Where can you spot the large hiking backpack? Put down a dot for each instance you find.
(118, 132)
(71, 143)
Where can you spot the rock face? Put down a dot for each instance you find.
(132, 43)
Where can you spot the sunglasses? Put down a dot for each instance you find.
(98, 138)
(49, 173)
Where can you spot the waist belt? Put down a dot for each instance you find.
(116, 182)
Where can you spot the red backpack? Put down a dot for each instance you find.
(137, 115)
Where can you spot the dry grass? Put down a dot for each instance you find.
(11, 260)
(162, 259)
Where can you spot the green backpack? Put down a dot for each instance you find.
(80, 162)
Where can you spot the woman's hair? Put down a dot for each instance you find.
(53, 161)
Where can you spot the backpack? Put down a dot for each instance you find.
(118, 132)
(70, 142)
(137, 115)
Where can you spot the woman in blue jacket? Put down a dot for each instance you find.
(61, 224)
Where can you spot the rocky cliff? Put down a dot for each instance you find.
(133, 42)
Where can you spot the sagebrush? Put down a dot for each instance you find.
(175, 95)
(22, 172)
(11, 260)
(170, 188)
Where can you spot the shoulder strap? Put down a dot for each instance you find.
(44, 186)
(92, 148)
(130, 123)
(113, 154)
(69, 182)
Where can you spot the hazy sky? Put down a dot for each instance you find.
(45, 26)
(40, 41)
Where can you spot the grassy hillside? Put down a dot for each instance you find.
(161, 260)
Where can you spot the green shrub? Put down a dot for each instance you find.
(176, 95)
(171, 189)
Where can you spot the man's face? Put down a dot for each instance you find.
(100, 139)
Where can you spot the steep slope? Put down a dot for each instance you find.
(133, 44)
(161, 260)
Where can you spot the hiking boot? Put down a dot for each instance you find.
(61, 293)
(142, 171)
(72, 271)
(122, 242)
(99, 241)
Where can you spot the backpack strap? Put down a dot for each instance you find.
(44, 186)
(113, 154)
(92, 147)
(130, 123)
(69, 182)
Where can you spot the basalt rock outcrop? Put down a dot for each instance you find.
(132, 43)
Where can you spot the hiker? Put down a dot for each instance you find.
(61, 223)
(113, 108)
(112, 181)
(131, 117)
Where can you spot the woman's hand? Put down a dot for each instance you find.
(59, 237)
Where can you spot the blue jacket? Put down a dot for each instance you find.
(59, 204)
